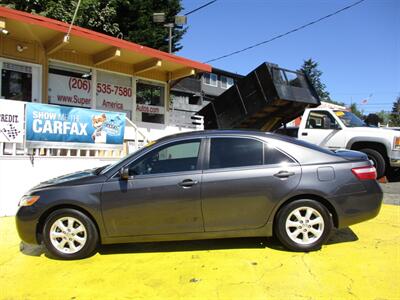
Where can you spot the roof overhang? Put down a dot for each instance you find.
(100, 48)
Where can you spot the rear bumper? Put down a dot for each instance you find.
(358, 207)
(26, 220)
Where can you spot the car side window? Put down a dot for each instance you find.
(321, 120)
(175, 157)
(235, 152)
(274, 156)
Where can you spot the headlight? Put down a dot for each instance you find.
(396, 143)
(28, 200)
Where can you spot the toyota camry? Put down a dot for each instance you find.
(203, 185)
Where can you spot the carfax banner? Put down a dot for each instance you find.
(52, 123)
(11, 121)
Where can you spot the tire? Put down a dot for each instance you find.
(69, 234)
(308, 233)
(377, 158)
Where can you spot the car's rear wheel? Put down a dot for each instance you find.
(69, 234)
(303, 225)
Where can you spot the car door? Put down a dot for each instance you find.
(243, 181)
(324, 130)
(162, 195)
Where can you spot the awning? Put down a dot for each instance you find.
(99, 48)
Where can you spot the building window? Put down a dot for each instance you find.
(150, 102)
(195, 100)
(226, 82)
(16, 82)
(210, 79)
(114, 92)
(70, 86)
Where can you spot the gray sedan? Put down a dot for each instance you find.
(202, 185)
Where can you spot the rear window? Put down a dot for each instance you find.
(303, 143)
(274, 156)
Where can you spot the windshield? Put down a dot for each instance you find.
(349, 119)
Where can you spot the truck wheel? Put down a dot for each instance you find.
(303, 225)
(377, 158)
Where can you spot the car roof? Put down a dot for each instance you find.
(233, 132)
(237, 132)
(203, 133)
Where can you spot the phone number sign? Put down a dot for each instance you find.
(70, 91)
(113, 97)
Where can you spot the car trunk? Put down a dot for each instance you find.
(351, 155)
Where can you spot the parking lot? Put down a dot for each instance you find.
(361, 262)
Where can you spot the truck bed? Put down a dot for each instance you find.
(265, 99)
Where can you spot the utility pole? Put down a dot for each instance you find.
(179, 21)
(170, 26)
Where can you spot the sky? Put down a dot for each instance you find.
(358, 50)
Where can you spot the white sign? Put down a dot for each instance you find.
(113, 92)
(71, 91)
(12, 121)
(113, 97)
(150, 109)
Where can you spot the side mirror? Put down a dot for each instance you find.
(124, 174)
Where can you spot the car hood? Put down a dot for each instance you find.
(374, 131)
(76, 178)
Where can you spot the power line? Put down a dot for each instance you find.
(286, 33)
(196, 9)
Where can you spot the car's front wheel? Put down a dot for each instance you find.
(69, 234)
(303, 225)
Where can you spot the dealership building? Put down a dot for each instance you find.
(45, 66)
(87, 69)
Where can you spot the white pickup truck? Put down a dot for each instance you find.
(340, 129)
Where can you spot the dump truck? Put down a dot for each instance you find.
(269, 97)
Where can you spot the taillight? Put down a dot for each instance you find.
(365, 173)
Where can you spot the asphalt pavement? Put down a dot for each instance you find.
(391, 193)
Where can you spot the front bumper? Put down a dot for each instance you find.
(394, 158)
(27, 220)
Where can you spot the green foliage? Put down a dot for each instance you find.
(395, 115)
(373, 120)
(310, 67)
(135, 18)
(132, 18)
(384, 116)
(354, 109)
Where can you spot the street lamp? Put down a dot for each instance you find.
(179, 22)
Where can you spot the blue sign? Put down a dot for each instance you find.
(52, 123)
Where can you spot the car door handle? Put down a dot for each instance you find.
(284, 174)
(187, 183)
(304, 133)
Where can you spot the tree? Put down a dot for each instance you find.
(395, 115)
(310, 67)
(132, 18)
(354, 109)
(384, 116)
(373, 120)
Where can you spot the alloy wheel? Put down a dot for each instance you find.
(304, 225)
(68, 235)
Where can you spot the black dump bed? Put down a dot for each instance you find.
(265, 99)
